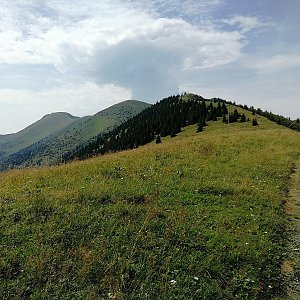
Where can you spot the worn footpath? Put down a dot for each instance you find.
(291, 266)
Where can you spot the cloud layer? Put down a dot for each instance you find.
(140, 49)
(123, 43)
(82, 99)
(73, 33)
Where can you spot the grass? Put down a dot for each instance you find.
(199, 216)
(49, 150)
(39, 130)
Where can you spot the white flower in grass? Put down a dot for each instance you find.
(173, 282)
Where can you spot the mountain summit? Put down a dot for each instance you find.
(46, 140)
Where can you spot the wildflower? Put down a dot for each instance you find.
(173, 282)
(196, 278)
(111, 296)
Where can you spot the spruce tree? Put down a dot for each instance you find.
(219, 110)
(236, 115)
(224, 109)
(210, 115)
(243, 118)
(158, 139)
(214, 118)
(200, 124)
(200, 128)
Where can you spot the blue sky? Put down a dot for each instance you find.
(82, 56)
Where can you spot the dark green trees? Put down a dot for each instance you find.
(233, 117)
(201, 123)
(164, 118)
(243, 118)
(254, 122)
(224, 109)
(158, 139)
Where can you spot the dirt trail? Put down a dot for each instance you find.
(291, 266)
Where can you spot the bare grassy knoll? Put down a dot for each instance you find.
(199, 216)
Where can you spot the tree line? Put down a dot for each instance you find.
(279, 119)
(165, 118)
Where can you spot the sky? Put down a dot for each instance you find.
(81, 56)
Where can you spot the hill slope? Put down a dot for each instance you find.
(49, 124)
(50, 149)
(166, 117)
(198, 216)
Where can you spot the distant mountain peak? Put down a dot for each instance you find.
(59, 114)
(44, 141)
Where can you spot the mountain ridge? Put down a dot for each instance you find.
(36, 131)
(49, 148)
(129, 124)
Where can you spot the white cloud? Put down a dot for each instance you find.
(75, 29)
(245, 23)
(273, 63)
(144, 49)
(182, 8)
(124, 43)
(20, 108)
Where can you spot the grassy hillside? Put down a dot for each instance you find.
(50, 149)
(199, 216)
(87, 128)
(46, 126)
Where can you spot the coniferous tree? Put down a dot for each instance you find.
(214, 114)
(203, 113)
(164, 118)
(236, 115)
(254, 122)
(224, 109)
(158, 139)
(200, 124)
(200, 127)
(219, 110)
(243, 118)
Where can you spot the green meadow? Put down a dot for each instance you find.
(199, 216)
